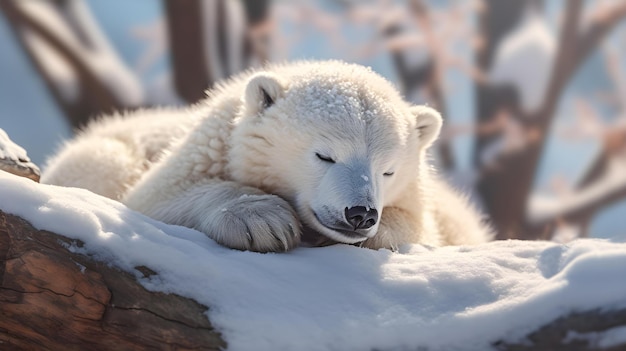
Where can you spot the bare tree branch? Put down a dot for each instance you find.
(95, 95)
(579, 207)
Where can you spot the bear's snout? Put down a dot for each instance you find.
(361, 217)
(353, 224)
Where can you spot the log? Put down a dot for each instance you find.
(13, 159)
(557, 335)
(54, 299)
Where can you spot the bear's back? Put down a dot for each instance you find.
(110, 154)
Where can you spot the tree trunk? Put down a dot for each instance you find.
(505, 189)
(195, 69)
(186, 40)
(54, 299)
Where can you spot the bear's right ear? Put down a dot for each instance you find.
(262, 91)
(428, 124)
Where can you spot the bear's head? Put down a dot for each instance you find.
(335, 140)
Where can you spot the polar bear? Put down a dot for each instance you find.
(316, 149)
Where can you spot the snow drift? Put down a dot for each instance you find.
(341, 297)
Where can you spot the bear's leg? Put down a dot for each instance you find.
(396, 225)
(234, 215)
(400, 226)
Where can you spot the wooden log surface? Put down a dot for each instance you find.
(54, 299)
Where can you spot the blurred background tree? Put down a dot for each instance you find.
(533, 92)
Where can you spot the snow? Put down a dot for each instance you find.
(532, 41)
(340, 297)
(602, 340)
(10, 150)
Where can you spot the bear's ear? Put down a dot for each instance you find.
(262, 91)
(428, 124)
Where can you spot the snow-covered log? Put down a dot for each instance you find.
(55, 299)
(13, 159)
(115, 279)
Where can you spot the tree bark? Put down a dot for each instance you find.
(192, 72)
(54, 299)
(185, 31)
(494, 23)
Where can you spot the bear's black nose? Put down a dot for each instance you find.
(361, 217)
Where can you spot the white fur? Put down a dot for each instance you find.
(273, 153)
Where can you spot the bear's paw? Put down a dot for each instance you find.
(262, 223)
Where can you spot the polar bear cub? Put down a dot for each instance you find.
(327, 149)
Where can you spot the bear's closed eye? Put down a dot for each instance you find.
(324, 158)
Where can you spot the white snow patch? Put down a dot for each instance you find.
(364, 177)
(9, 149)
(81, 267)
(612, 337)
(603, 340)
(339, 297)
(532, 41)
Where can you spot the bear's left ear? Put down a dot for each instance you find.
(262, 91)
(428, 124)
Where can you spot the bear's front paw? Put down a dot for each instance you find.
(263, 223)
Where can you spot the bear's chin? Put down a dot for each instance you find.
(312, 238)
